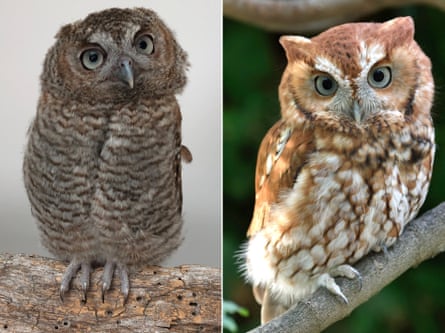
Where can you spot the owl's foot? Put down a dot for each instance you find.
(71, 272)
(327, 280)
(110, 267)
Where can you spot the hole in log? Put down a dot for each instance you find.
(109, 312)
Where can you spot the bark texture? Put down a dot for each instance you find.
(180, 299)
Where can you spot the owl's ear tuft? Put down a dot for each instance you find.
(66, 30)
(399, 31)
(177, 77)
(296, 47)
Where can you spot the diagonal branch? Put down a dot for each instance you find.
(305, 16)
(423, 239)
(179, 299)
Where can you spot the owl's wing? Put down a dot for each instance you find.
(282, 154)
(183, 154)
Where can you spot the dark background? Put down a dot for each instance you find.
(253, 64)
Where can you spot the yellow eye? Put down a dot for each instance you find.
(144, 44)
(380, 77)
(92, 58)
(325, 85)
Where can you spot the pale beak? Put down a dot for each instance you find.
(126, 72)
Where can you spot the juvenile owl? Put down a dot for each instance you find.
(347, 166)
(102, 167)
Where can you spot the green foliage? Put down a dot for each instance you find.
(229, 309)
(253, 64)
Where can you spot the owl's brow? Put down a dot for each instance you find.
(323, 64)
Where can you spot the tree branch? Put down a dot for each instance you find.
(181, 299)
(304, 16)
(423, 239)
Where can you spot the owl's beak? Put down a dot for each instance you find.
(126, 72)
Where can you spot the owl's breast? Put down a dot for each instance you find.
(347, 200)
(136, 186)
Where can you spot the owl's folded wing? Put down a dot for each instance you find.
(282, 154)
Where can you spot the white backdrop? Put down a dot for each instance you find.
(27, 30)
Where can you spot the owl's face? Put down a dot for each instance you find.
(356, 73)
(116, 54)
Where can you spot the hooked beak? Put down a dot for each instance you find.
(126, 72)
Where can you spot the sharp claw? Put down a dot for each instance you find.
(107, 277)
(327, 280)
(85, 280)
(347, 271)
(70, 272)
(342, 296)
(61, 293)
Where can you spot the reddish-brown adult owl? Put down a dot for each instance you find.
(102, 166)
(349, 163)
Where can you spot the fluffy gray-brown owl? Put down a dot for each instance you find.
(102, 166)
(349, 163)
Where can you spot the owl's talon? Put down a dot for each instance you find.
(107, 277)
(85, 279)
(327, 281)
(69, 274)
(347, 271)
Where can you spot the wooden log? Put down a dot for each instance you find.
(181, 299)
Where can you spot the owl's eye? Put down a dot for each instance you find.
(380, 77)
(325, 85)
(144, 44)
(92, 58)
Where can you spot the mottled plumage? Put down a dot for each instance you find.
(102, 166)
(349, 163)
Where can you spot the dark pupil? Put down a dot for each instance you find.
(93, 57)
(378, 75)
(143, 44)
(327, 84)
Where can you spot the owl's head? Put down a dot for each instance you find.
(116, 54)
(357, 74)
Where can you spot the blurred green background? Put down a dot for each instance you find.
(253, 64)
